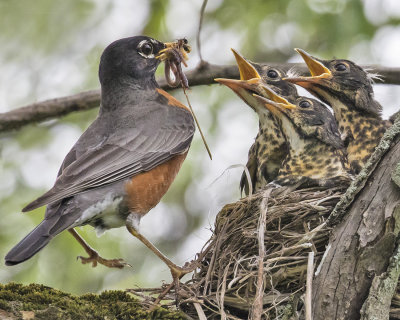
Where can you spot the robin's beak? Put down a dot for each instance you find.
(318, 71)
(246, 70)
(271, 95)
(249, 77)
(275, 103)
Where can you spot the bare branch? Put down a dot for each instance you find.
(202, 10)
(204, 75)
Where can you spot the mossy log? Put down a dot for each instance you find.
(40, 302)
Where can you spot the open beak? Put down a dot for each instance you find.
(246, 70)
(317, 70)
(277, 98)
(249, 77)
(276, 108)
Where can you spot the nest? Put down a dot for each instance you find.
(226, 280)
(294, 226)
(225, 284)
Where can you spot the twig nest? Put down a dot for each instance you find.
(294, 226)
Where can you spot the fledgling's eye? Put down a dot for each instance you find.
(304, 104)
(340, 67)
(272, 74)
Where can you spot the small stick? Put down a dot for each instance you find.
(197, 123)
(257, 308)
(200, 311)
(203, 8)
(310, 273)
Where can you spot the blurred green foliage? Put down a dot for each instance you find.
(51, 48)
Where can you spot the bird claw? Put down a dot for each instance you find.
(95, 258)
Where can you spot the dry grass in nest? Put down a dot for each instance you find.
(225, 283)
(294, 226)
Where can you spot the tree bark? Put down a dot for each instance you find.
(362, 243)
(204, 74)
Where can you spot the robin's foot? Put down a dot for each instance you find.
(94, 258)
(177, 273)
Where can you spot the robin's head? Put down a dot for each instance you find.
(130, 59)
(252, 77)
(338, 81)
(303, 118)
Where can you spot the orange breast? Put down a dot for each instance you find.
(145, 190)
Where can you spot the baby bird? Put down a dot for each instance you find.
(270, 147)
(347, 88)
(316, 155)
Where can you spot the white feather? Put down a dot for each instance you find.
(293, 73)
(373, 76)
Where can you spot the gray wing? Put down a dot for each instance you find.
(122, 155)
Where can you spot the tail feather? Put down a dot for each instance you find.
(38, 238)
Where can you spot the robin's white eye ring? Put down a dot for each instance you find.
(145, 49)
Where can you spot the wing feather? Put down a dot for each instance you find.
(121, 156)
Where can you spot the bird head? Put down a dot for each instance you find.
(303, 118)
(252, 79)
(338, 80)
(130, 59)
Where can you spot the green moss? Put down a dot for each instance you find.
(396, 175)
(51, 304)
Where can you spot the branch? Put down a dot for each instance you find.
(362, 244)
(203, 75)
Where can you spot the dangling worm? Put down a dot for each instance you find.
(173, 64)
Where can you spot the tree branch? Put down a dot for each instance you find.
(203, 75)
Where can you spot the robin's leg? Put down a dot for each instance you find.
(94, 257)
(176, 271)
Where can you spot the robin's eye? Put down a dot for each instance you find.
(147, 49)
(272, 74)
(340, 67)
(304, 104)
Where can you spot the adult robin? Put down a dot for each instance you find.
(123, 163)
(270, 147)
(347, 88)
(316, 155)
